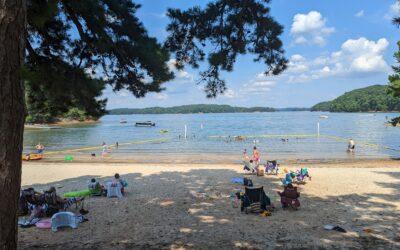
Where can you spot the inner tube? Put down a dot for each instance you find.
(32, 157)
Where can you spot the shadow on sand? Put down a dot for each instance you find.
(160, 211)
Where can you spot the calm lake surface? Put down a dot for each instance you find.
(213, 133)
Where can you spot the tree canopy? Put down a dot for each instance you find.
(221, 31)
(76, 48)
(372, 98)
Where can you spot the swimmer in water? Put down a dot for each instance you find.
(40, 148)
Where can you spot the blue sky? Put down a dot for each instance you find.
(333, 46)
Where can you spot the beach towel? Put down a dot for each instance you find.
(44, 223)
(237, 180)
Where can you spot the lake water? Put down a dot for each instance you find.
(209, 133)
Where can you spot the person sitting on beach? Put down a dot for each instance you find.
(289, 197)
(123, 183)
(54, 203)
(351, 146)
(249, 166)
(96, 188)
(256, 156)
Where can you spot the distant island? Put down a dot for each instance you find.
(190, 109)
(370, 99)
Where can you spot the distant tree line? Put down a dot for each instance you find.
(370, 99)
(190, 109)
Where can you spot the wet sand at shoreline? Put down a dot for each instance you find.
(159, 210)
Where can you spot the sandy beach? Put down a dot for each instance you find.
(160, 211)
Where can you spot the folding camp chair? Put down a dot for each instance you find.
(272, 167)
(254, 199)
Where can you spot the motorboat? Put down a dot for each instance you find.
(145, 124)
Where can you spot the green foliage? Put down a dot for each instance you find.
(75, 48)
(62, 69)
(221, 31)
(369, 99)
(76, 114)
(190, 109)
(39, 118)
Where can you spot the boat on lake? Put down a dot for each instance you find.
(145, 124)
(323, 116)
(123, 121)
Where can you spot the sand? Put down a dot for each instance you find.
(159, 210)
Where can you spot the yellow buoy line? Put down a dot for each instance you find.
(332, 137)
(110, 146)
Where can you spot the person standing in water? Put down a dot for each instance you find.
(246, 158)
(256, 156)
(351, 146)
(116, 145)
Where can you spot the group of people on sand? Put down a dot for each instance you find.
(253, 161)
(98, 189)
(47, 203)
(289, 196)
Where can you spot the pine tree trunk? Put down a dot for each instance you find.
(12, 116)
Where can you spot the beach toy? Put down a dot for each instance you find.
(44, 224)
(68, 158)
(63, 219)
(285, 170)
(32, 157)
(79, 193)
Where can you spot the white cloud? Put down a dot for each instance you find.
(181, 76)
(161, 96)
(229, 93)
(356, 56)
(359, 14)
(310, 28)
(258, 85)
(394, 10)
(297, 64)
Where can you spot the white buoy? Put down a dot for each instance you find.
(318, 129)
(185, 131)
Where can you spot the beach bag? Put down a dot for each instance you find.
(247, 182)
